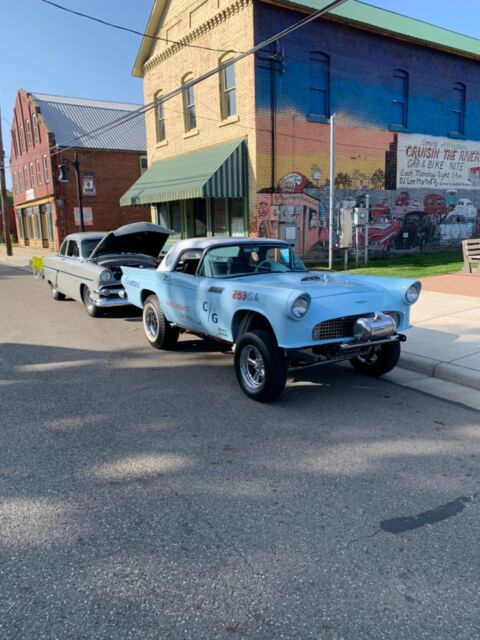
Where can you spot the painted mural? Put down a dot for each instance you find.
(424, 196)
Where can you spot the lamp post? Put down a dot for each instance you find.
(63, 177)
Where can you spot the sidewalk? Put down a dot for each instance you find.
(444, 343)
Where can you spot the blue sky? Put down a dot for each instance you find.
(47, 50)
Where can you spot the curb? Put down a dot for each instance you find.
(432, 368)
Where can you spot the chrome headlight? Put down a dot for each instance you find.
(106, 276)
(300, 306)
(413, 292)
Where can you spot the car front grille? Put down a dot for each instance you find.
(339, 328)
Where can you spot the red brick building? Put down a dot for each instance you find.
(47, 130)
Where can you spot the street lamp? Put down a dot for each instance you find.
(63, 177)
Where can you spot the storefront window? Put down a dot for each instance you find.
(49, 220)
(237, 216)
(162, 215)
(219, 210)
(20, 226)
(200, 217)
(176, 218)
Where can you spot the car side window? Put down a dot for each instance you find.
(63, 248)
(73, 250)
(188, 261)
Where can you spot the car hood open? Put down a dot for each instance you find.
(138, 237)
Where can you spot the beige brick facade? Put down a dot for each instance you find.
(224, 26)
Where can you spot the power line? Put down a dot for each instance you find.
(151, 105)
(122, 28)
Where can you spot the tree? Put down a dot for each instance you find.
(378, 179)
(343, 181)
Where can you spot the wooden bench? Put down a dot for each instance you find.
(471, 255)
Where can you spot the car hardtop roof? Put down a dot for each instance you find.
(207, 243)
(85, 235)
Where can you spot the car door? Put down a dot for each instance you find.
(181, 287)
(67, 278)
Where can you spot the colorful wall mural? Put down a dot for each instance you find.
(422, 178)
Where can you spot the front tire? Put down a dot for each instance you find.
(378, 360)
(160, 333)
(56, 294)
(90, 307)
(260, 366)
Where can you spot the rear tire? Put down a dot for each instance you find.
(160, 333)
(260, 366)
(56, 295)
(378, 360)
(90, 307)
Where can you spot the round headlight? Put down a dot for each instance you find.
(300, 306)
(106, 276)
(413, 292)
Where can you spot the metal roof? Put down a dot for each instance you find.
(69, 118)
(215, 172)
(384, 20)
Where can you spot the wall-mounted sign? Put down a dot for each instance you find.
(29, 194)
(439, 163)
(89, 187)
(87, 216)
(293, 183)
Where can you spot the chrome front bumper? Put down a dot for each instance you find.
(117, 298)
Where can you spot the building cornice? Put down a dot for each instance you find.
(220, 18)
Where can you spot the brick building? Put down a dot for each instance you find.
(49, 129)
(247, 150)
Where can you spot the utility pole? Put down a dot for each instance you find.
(331, 191)
(3, 195)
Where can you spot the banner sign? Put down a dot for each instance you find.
(87, 215)
(89, 187)
(437, 163)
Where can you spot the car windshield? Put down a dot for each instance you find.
(88, 246)
(248, 259)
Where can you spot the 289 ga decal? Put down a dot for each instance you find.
(239, 294)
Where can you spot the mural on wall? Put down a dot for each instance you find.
(426, 194)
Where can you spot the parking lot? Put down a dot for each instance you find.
(145, 496)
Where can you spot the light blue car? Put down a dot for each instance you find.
(257, 295)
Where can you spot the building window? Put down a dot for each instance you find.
(29, 133)
(25, 175)
(15, 182)
(169, 215)
(458, 111)
(32, 175)
(35, 128)
(45, 169)
(400, 98)
(189, 114)
(22, 139)
(160, 118)
(228, 92)
(143, 164)
(15, 142)
(319, 85)
(39, 172)
(20, 181)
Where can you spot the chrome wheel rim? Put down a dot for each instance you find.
(88, 300)
(252, 367)
(369, 359)
(151, 322)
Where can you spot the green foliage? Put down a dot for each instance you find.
(417, 266)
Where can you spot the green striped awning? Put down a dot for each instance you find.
(215, 172)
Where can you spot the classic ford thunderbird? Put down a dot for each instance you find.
(88, 266)
(256, 295)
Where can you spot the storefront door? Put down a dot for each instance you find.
(200, 217)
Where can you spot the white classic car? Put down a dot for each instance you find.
(88, 266)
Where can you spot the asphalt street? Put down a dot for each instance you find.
(144, 496)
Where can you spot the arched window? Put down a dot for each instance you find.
(29, 133)
(228, 91)
(458, 111)
(189, 113)
(160, 127)
(319, 85)
(400, 98)
(35, 128)
(22, 139)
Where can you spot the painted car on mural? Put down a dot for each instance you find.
(257, 295)
(457, 226)
(88, 266)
